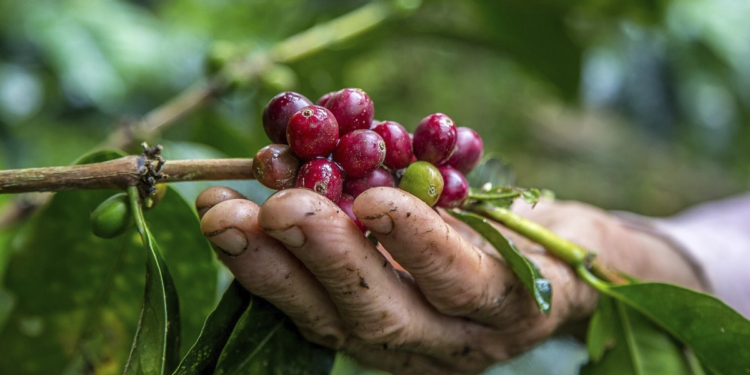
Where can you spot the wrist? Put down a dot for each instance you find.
(652, 257)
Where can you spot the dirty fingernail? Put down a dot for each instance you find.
(231, 240)
(292, 236)
(381, 223)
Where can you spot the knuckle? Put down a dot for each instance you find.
(482, 300)
(327, 336)
(459, 304)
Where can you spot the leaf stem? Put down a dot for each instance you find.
(569, 252)
(585, 274)
(137, 212)
(572, 254)
(629, 337)
(491, 196)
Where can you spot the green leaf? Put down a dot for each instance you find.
(344, 365)
(531, 196)
(76, 296)
(176, 227)
(717, 334)
(73, 300)
(493, 170)
(526, 271)
(99, 156)
(265, 341)
(601, 331)
(157, 341)
(6, 299)
(203, 356)
(641, 347)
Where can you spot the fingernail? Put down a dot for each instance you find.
(231, 241)
(380, 224)
(292, 236)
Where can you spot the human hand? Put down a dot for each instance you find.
(456, 309)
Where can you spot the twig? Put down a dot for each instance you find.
(162, 116)
(121, 173)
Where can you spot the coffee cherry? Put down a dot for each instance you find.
(321, 176)
(345, 203)
(277, 112)
(435, 139)
(353, 109)
(455, 188)
(359, 152)
(469, 149)
(378, 177)
(312, 132)
(398, 151)
(324, 99)
(112, 217)
(424, 181)
(275, 166)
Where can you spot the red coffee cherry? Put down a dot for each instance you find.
(345, 203)
(376, 178)
(455, 188)
(435, 139)
(321, 176)
(324, 99)
(277, 112)
(398, 151)
(312, 132)
(469, 150)
(359, 152)
(353, 109)
(275, 166)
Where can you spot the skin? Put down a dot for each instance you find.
(451, 306)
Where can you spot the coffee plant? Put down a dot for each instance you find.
(131, 206)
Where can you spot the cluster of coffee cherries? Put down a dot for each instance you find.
(335, 148)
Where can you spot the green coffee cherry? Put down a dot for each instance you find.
(112, 217)
(424, 181)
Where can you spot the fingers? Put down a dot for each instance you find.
(303, 254)
(372, 299)
(457, 278)
(213, 196)
(265, 268)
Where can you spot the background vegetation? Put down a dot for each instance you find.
(641, 106)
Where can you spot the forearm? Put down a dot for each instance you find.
(715, 238)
